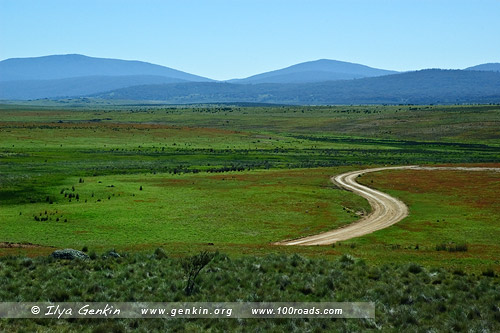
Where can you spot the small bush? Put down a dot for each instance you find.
(346, 259)
(27, 262)
(160, 253)
(459, 248)
(414, 268)
(192, 266)
(452, 247)
(441, 247)
(489, 272)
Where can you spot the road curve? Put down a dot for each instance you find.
(386, 210)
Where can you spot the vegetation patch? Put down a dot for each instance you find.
(407, 297)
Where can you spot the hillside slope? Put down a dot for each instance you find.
(315, 71)
(493, 67)
(76, 65)
(421, 87)
(75, 87)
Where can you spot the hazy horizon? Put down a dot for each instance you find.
(226, 39)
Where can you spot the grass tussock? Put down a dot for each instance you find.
(408, 297)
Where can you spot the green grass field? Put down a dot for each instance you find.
(158, 184)
(148, 210)
(241, 178)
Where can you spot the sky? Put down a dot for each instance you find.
(224, 39)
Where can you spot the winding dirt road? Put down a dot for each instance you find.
(386, 210)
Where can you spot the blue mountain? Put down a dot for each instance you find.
(490, 67)
(76, 65)
(316, 71)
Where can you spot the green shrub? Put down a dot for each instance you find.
(346, 259)
(414, 268)
(489, 272)
(452, 247)
(192, 266)
(160, 253)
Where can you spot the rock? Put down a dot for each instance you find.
(69, 254)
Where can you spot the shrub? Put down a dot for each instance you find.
(414, 268)
(441, 247)
(160, 253)
(489, 272)
(192, 266)
(458, 248)
(452, 247)
(346, 259)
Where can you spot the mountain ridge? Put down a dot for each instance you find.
(431, 86)
(54, 67)
(321, 81)
(326, 69)
(492, 66)
(75, 86)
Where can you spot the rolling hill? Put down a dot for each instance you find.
(76, 65)
(315, 71)
(491, 67)
(77, 86)
(421, 87)
(60, 76)
(315, 82)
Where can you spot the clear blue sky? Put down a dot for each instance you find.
(224, 39)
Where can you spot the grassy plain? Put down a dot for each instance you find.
(447, 207)
(135, 178)
(240, 177)
(181, 211)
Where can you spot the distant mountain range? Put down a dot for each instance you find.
(433, 86)
(76, 65)
(75, 86)
(315, 82)
(491, 67)
(315, 71)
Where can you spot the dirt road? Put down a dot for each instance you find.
(386, 210)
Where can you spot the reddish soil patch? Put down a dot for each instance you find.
(476, 188)
(166, 182)
(9, 245)
(28, 252)
(86, 124)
